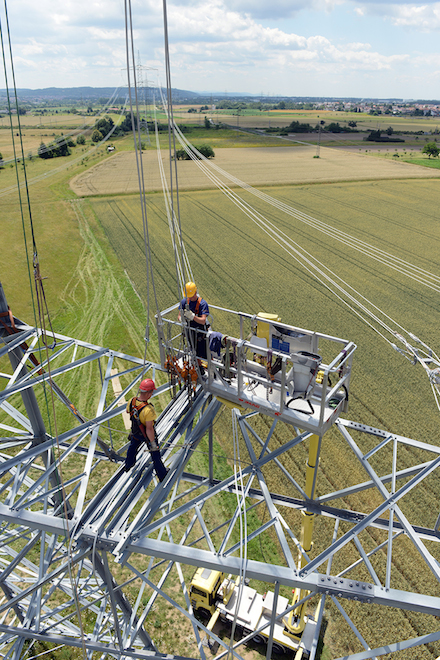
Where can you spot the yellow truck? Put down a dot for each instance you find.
(216, 596)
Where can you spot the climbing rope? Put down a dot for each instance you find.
(135, 121)
(172, 143)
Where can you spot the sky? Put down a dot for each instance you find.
(336, 48)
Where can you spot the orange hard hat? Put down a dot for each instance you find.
(147, 385)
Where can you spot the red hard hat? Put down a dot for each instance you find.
(147, 385)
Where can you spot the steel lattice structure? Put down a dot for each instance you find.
(72, 555)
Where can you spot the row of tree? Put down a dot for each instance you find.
(333, 127)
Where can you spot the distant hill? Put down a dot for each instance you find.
(117, 95)
(75, 94)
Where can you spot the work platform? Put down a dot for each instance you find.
(259, 363)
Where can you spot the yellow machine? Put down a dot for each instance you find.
(218, 597)
(203, 590)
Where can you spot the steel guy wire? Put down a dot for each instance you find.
(129, 43)
(281, 237)
(172, 220)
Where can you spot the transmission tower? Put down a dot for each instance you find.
(87, 566)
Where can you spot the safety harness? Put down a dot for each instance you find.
(137, 426)
(196, 311)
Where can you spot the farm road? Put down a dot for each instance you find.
(256, 166)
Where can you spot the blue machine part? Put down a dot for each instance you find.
(280, 345)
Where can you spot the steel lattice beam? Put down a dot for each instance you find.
(132, 516)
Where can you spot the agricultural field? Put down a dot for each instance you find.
(281, 118)
(256, 166)
(237, 266)
(91, 247)
(42, 128)
(52, 120)
(263, 278)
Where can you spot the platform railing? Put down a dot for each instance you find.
(247, 370)
(236, 379)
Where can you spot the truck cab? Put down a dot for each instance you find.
(203, 590)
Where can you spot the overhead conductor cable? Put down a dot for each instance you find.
(369, 313)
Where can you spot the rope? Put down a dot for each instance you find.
(176, 226)
(41, 299)
(181, 258)
(129, 42)
(172, 220)
(172, 134)
(15, 155)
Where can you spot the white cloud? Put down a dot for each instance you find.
(234, 36)
(358, 46)
(425, 18)
(274, 10)
(220, 44)
(34, 48)
(105, 34)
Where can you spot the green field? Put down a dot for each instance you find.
(85, 245)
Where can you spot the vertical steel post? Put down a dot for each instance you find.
(211, 456)
(296, 620)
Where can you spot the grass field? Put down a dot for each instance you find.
(85, 245)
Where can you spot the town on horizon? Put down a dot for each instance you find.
(53, 96)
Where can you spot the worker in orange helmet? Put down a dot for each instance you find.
(195, 310)
(143, 416)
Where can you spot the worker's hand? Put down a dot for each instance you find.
(189, 315)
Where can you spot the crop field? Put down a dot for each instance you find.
(31, 141)
(87, 244)
(281, 118)
(256, 166)
(52, 120)
(43, 128)
(237, 266)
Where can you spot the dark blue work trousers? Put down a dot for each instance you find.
(132, 450)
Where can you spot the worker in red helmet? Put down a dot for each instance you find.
(195, 311)
(143, 416)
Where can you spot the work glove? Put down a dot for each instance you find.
(189, 315)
